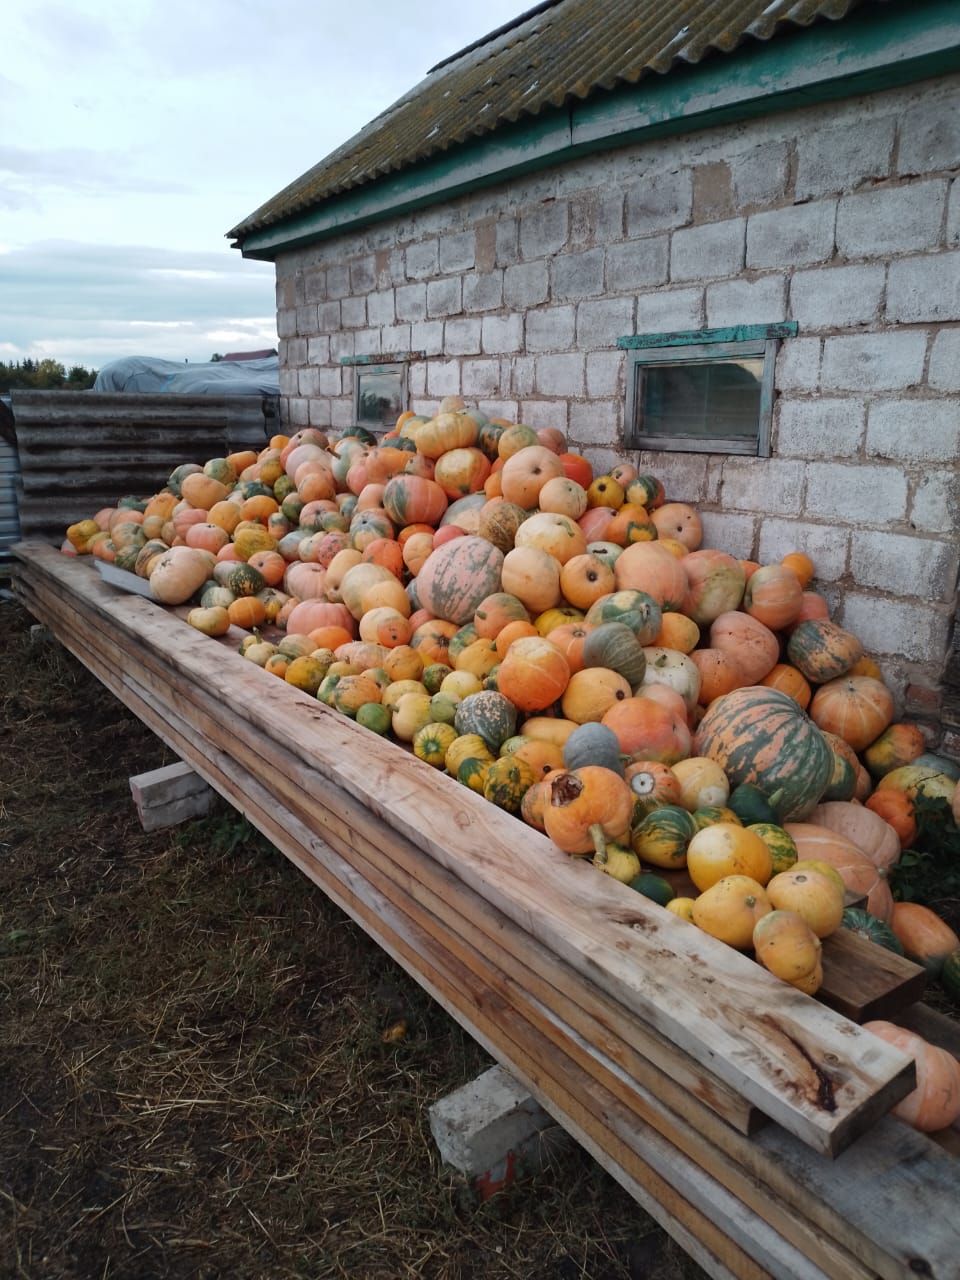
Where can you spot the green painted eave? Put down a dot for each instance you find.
(872, 50)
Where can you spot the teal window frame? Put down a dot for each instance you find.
(703, 346)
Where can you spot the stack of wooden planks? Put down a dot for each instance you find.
(749, 1119)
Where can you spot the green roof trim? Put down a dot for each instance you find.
(691, 337)
(871, 50)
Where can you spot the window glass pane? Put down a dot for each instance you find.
(700, 399)
(379, 395)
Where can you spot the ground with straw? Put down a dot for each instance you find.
(194, 1080)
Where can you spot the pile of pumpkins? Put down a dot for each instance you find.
(564, 645)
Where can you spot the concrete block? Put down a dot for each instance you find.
(444, 297)
(167, 796)
(683, 475)
(605, 373)
(458, 252)
(596, 422)
(288, 380)
(712, 191)
(820, 428)
(953, 214)
(483, 292)
(925, 288)
(762, 484)
(427, 336)
(637, 264)
(600, 323)
(363, 275)
(423, 259)
(341, 413)
(825, 544)
(307, 319)
(443, 378)
(891, 220)
(296, 350)
(319, 412)
(561, 375)
(329, 381)
(920, 431)
(727, 532)
(367, 342)
(545, 413)
(763, 300)
(552, 329)
(417, 379)
(710, 250)
(328, 316)
(760, 175)
(502, 334)
(395, 337)
(286, 322)
(353, 313)
(874, 361)
(526, 284)
(338, 280)
(903, 565)
(318, 350)
(837, 297)
(659, 202)
(911, 628)
(380, 307)
(315, 285)
(307, 381)
(411, 302)
(481, 377)
(936, 502)
(543, 229)
(798, 365)
(830, 160)
(298, 412)
(578, 275)
(669, 310)
(389, 267)
(944, 370)
(523, 375)
(501, 409)
(602, 460)
(340, 345)
(462, 337)
(507, 241)
(856, 493)
(791, 236)
(930, 135)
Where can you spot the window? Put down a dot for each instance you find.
(707, 391)
(379, 394)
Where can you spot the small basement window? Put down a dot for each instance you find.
(704, 391)
(379, 394)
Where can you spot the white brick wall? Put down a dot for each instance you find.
(844, 218)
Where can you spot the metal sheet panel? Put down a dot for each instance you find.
(80, 451)
(551, 55)
(9, 521)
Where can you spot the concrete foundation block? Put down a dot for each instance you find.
(165, 797)
(491, 1129)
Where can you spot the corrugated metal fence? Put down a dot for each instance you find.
(81, 451)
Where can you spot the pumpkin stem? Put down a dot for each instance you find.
(599, 843)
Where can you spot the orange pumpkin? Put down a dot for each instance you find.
(819, 844)
(511, 632)
(495, 612)
(247, 611)
(653, 784)
(812, 895)
(533, 674)
(935, 1103)
(730, 909)
(645, 728)
(749, 641)
(679, 521)
(855, 708)
(587, 807)
(898, 745)
(585, 578)
(591, 693)
(678, 632)
(896, 807)
(924, 936)
(432, 640)
(533, 576)
(773, 596)
(570, 639)
(649, 567)
(631, 524)
(720, 673)
(526, 472)
(789, 681)
(563, 497)
(716, 585)
(578, 469)
(725, 849)
(801, 565)
(461, 471)
(786, 945)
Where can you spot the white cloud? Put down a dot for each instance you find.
(137, 132)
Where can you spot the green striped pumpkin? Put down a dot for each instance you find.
(783, 849)
(823, 651)
(506, 782)
(635, 609)
(760, 735)
(662, 837)
(488, 714)
(613, 645)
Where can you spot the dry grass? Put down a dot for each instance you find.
(193, 1081)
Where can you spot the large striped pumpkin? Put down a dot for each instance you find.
(457, 577)
(822, 650)
(760, 735)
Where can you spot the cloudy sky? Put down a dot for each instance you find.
(135, 133)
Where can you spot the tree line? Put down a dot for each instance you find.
(44, 375)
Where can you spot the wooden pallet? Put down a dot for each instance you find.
(583, 1031)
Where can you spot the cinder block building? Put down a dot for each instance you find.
(721, 240)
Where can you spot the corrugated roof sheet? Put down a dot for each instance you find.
(559, 50)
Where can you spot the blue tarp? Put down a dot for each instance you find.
(150, 375)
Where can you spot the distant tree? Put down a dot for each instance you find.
(216, 357)
(44, 375)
